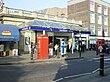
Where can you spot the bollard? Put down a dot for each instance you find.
(101, 64)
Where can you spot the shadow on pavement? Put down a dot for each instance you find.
(75, 67)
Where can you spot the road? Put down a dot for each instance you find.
(28, 73)
(48, 72)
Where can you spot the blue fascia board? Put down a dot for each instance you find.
(52, 29)
(85, 32)
(39, 28)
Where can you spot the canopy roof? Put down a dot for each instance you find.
(53, 24)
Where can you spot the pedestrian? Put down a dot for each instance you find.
(83, 46)
(75, 47)
(104, 48)
(80, 46)
(35, 50)
(32, 50)
(50, 49)
(56, 47)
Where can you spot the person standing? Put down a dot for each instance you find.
(83, 46)
(51, 49)
(32, 50)
(56, 49)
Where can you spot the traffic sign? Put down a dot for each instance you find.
(100, 48)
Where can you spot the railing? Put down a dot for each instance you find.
(35, 15)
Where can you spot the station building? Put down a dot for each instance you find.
(55, 30)
(31, 24)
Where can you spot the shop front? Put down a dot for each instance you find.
(55, 36)
(9, 37)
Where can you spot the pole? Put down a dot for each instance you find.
(73, 43)
(102, 57)
(80, 44)
(101, 64)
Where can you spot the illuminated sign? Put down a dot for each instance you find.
(6, 33)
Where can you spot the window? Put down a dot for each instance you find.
(13, 11)
(106, 20)
(92, 17)
(92, 29)
(106, 30)
(100, 30)
(105, 11)
(27, 12)
(92, 6)
(50, 16)
(99, 8)
(99, 19)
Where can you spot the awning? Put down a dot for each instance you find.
(9, 32)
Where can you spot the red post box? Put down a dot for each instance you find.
(42, 47)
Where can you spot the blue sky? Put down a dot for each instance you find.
(35, 4)
(32, 5)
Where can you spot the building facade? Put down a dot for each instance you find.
(94, 14)
(22, 19)
(62, 12)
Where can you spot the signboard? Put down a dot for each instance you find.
(100, 48)
(6, 32)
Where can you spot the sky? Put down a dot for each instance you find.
(33, 5)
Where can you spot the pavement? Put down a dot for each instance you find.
(26, 58)
(93, 77)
